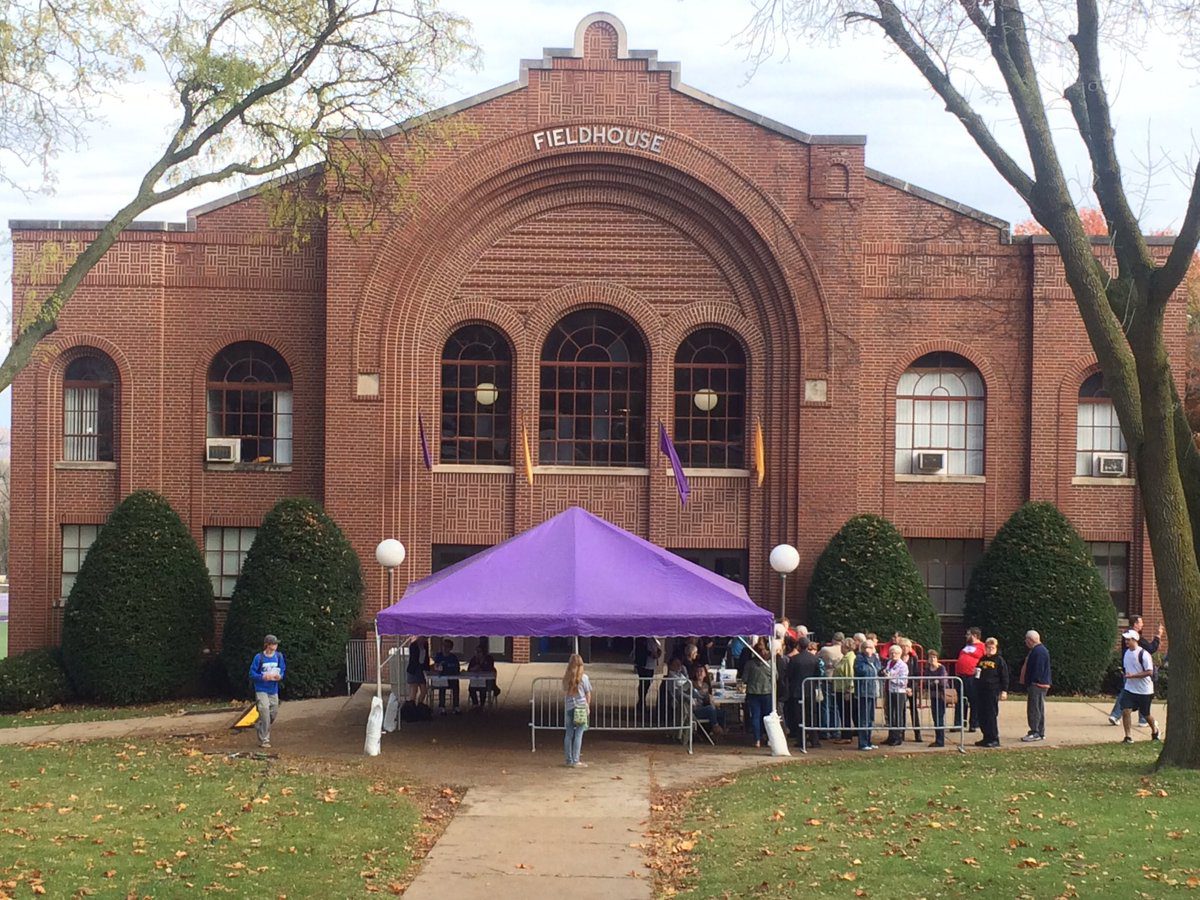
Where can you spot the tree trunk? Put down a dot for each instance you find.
(1168, 523)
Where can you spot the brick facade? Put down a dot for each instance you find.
(833, 277)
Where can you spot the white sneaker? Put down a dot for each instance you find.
(1030, 738)
(1143, 724)
(1112, 720)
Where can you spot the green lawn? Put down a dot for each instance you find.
(64, 714)
(1087, 822)
(116, 819)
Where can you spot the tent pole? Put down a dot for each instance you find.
(774, 680)
(379, 661)
(576, 645)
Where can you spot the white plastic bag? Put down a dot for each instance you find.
(775, 736)
(374, 727)
(391, 717)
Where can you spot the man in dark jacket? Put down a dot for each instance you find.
(800, 668)
(1035, 675)
(1151, 647)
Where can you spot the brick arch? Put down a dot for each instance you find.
(737, 205)
(592, 294)
(700, 315)
(291, 355)
(54, 355)
(474, 310)
(966, 351)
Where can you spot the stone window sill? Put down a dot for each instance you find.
(941, 479)
(588, 470)
(247, 467)
(474, 468)
(85, 466)
(1086, 480)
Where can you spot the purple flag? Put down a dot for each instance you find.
(425, 455)
(668, 449)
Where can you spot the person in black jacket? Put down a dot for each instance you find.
(801, 667)
(992, 677)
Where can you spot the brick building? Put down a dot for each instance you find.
(598, 247)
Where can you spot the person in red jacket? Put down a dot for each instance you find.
(964, 668)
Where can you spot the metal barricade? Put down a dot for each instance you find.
(833, 705)
(361, 663)
(618, 704)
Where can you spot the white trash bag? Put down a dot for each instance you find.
(391, 717)
(374, 727)
(775, 736)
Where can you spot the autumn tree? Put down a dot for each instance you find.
(1121, 290)
(261, 89)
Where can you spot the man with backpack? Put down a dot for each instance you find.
(1139, 686)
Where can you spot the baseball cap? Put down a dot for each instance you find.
(270, 639)
(1131, 635)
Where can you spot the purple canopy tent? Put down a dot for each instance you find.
(575, 574)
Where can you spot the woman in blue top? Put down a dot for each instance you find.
(577, 695)
(266, 671)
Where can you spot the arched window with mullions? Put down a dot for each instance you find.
(941, 406)
(710, 400)
(250, 397)
(88, 408)
(476, 397)
(1097, 429)
(593, 392)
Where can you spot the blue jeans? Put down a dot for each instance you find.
(709, 714)
(573, 738)
(831, 713)
(757, 706)
(866, 719)
(937, 706)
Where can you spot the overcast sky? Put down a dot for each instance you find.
(855, 88)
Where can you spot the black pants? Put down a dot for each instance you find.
(914, 712)
(849, 715)
(644, 687)
(791, 715)
(452, 687)
(989, 714)
(896, 704)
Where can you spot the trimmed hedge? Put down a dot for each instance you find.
(1039, 574)
(141, 609)
(866, 580)
(33, 680)
(302, 582)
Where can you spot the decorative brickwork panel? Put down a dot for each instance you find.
(566, 94)
(125, 263)
(937, 270)
(471, 508)
(247, 265)
(716, 515)
(620, 499)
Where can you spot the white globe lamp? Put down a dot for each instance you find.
(784, 559)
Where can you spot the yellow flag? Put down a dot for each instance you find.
(760, 461)
(528, 457)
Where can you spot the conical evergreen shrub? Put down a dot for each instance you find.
(1038, 574)
(302, 582)
(141, 609)
(866, 580)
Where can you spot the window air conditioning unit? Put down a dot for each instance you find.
(930, 462)
(1110, 465)
(223, 450)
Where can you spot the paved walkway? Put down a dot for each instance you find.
(526, 822)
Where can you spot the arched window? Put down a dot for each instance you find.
(476, 397)
(1096, 427)
(250, 397)
(88, 408)
(940, 409)
(593, 392)
(710, 400)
